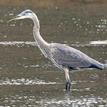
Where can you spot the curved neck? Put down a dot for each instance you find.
(41, 43)
(36, 32)
(39, 40)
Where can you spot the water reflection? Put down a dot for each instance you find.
(24, 81)
(30, 43)
(63, 101)
(73, 102)
(99, 42)
(17, 43)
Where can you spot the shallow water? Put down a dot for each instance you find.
(27, 79)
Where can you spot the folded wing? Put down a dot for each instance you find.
(72, 58)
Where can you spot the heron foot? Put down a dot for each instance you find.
(68, 85)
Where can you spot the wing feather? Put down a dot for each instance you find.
(66, 56)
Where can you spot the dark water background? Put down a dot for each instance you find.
(27, 79)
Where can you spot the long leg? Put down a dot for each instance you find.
(68, 81)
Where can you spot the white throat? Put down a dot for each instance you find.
(41, 43)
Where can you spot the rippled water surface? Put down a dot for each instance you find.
(27, 79)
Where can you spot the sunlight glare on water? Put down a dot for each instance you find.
(23, 81)
(31, 101)
(99, 42)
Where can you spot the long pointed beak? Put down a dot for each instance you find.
(15, 18)
(12, 20)
(18, 17)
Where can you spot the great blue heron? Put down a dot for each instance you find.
(63, 56)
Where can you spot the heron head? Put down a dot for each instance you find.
(27, 14)
(23, 15)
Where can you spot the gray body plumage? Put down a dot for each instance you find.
(63, 56)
